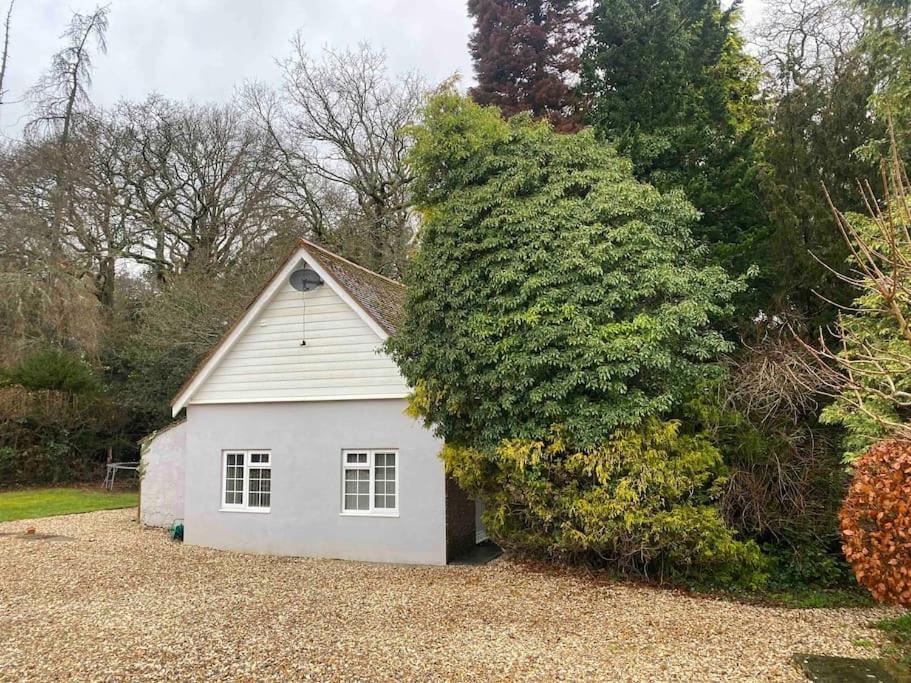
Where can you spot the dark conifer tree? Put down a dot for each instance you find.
(526, 57)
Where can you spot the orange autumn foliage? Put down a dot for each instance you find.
(876, 522)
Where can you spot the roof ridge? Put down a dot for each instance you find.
(308, 243)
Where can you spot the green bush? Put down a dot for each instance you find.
(785, 480)
(46, 462)
(53, 369)
(807, 563)
(56, 424)
(641, 503)
(548, 285)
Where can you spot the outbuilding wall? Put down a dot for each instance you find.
(162, 489)
(306, 440)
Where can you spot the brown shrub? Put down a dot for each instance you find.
(876, 522)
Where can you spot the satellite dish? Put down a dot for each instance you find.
(305, 279)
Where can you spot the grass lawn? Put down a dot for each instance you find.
(818, 598)
(898, 652)
(33, 503)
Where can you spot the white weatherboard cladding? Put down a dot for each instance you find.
(339, 361)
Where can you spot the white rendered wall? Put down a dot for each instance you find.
(163, 462)
(306, 440)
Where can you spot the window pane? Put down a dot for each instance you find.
(356, 458)
(350, 502)
(384, 481)
(260, 484)
(234, 483)
(363, 502)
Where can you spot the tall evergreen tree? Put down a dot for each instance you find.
(549, 286)
(672, 87)
(822, 69)
(526, 57)
(813, 140)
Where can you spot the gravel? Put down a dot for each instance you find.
(121, 602)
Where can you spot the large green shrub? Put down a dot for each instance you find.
(56, 424)
(641, 502)
(549, 288)
(548, 285)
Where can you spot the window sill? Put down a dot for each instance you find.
(255, 511)
(349, 513)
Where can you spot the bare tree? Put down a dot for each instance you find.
(61, 95)
(339, 125)
(5, 55)
(60, 100)
(99, 231)
(204, 185)
(44, 297)
(807, 40)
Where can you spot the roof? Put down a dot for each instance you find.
(382, 298)
(379, 297)
(148, 438)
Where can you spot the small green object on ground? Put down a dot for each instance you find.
(35, 503)
(843, 669)
(176, 531)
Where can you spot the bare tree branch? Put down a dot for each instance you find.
(339, 125)
(868, 367)
(3, 59)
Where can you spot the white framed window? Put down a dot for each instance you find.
(370, 482)
(246, 481)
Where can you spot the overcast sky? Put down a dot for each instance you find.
(202, 49)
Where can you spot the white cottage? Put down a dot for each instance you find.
(296, 441)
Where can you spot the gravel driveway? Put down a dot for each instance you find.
(118, 602)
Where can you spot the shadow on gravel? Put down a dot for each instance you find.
(54, 538)
(482, 553)
(843, 669)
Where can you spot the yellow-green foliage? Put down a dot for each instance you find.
(642, 502)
